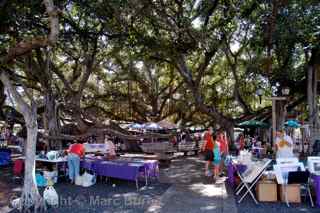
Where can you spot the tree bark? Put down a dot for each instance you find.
(51, 120)
(30, 194)
(312, 86)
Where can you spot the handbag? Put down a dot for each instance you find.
(88, 179)
(50, 195)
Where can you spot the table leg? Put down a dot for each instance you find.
(137, 183)
(316, 180)
(146, 174)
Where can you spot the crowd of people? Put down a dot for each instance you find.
(215, 149)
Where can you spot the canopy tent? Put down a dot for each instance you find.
(167, 125)
(292, 124)
(253, 124)
(135, 126)
(151, 126)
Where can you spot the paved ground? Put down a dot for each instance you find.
(181, 188)
(190, 191)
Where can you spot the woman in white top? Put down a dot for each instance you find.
(284, 145)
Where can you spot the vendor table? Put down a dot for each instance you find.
(316, 180)
(122, 169)
(60, 162)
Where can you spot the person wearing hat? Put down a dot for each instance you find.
(283, 145)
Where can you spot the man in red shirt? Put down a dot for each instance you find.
(207, 148)
(76, 151)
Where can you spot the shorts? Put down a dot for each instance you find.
(208, 155)
(216, 162)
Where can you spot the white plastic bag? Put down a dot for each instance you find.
(88, 179)
(51, 196)
(79, 180)
(16, 203)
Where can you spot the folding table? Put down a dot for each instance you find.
(250, 177)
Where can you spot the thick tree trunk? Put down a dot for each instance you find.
(51, 120)
(30, 194)
(310, 95)
(313, 65)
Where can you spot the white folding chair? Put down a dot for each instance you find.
(250, 177)
(282, 171)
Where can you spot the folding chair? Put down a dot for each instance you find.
(282, 173)
(250, 177)
(302, 178)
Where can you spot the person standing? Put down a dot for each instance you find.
(111, 149)
(224, 148)
(216, 157)
(283, 145)
(241, 142)
(76, 151)
(207, 148)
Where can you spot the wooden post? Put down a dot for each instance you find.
(274, 116)
(274, 121)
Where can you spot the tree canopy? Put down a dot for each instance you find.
(194, 62)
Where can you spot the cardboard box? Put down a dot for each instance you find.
(266, 191)
(293, 193)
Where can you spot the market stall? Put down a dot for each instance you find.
(122, 168)
(284, 179)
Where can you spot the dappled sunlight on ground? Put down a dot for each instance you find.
(206, 190)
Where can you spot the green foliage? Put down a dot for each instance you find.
(136, 49)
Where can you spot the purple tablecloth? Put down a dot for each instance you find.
(231, 171)
(122, 170)
(89, 164)
(129, 170)
(316, 179)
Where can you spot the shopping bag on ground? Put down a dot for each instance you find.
(79, 180)
(88, 179)
(50, 195)
(16, 203)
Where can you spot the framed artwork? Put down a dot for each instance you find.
(314, 165)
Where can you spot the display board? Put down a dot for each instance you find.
(281, 171)
(314, 165)
(96, 147)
